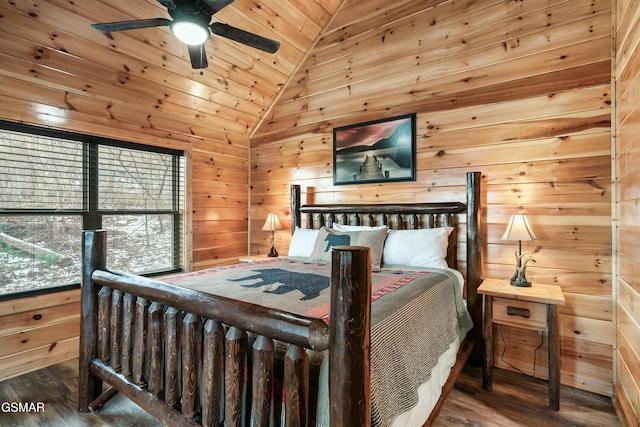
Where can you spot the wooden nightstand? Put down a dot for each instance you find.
(534, 308)
(254, 258)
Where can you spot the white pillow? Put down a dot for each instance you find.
(418, 248)
(341, 227)
(302, 242)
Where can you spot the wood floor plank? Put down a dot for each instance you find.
(7, 394)
(516, 401)
(57, 387)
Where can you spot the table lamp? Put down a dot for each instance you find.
(520, 229)
(272, 224)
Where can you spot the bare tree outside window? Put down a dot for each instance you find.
(43, 206)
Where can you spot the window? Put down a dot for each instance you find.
(55, 184)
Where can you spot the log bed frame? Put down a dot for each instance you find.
(165, 347)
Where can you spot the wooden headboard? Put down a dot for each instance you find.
(413, 216)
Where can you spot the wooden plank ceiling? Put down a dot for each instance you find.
(144, 76)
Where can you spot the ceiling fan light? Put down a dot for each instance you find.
(190, 32)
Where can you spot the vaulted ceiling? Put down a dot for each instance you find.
(53, 61)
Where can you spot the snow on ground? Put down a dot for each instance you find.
(134, 245)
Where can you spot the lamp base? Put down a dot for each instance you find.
(519, 280)
(521, 284)
(273, 253)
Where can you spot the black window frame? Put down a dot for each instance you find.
(91, 214)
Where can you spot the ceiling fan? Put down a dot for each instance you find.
(190, 25)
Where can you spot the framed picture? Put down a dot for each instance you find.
(377, 151)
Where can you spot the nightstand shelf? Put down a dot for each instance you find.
(535, 308)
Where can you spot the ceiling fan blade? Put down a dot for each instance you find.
(169, 4)
(245, 37)
(198, 56)
(111, 27)
(215, 6)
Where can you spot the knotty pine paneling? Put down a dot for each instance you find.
(58, 72)
(39, 357)
(517, 90)
(627, 196)
(38, 331)
(442, 60)
(527, 351)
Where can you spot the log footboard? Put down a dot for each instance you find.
(191, 358)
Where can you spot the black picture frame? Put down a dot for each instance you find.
(375, 152)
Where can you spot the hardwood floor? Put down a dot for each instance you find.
(516, 401)
(57, 387)
(521, 401)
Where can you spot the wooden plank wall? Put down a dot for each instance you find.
(627, 209)
(517, 90)
(61, 73)
(38, 331)
(56, 71)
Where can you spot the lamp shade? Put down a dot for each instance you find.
(272, 223)
(519, 228)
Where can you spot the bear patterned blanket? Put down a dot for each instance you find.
(416, 315)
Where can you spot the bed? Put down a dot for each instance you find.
(219, 348)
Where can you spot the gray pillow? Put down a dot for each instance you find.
(373, 239)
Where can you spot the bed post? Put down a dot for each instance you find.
(94, 257)
(296, 219)
(474, 263)
(349, 337)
